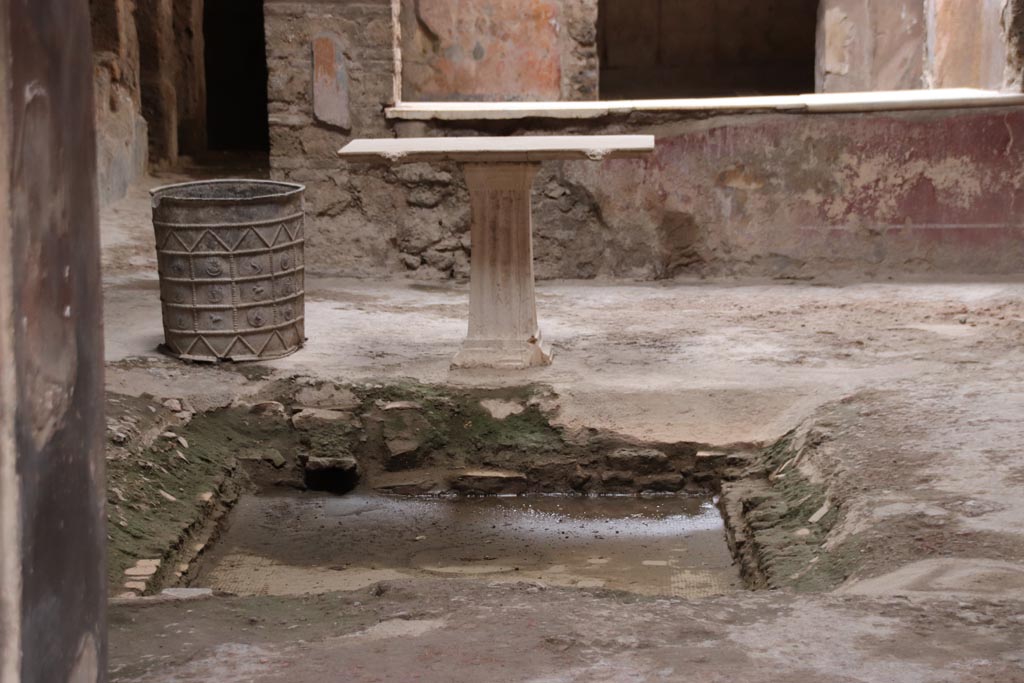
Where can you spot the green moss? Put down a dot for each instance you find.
(790, 560)
(143, 522)
(459, 425)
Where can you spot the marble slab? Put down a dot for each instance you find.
(514, 149)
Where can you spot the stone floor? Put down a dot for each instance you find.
(916, 387)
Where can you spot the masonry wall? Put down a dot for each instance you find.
(121, 131)
(150, 87)
(757, 194)
(351, 216)
(502, 50)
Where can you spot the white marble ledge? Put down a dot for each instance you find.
(517, 148)
(948, 98)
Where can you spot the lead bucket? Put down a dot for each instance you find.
(232, 268)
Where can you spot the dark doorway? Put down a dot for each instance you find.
(236, 76)
(706, 48)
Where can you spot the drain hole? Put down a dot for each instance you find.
(333, 475)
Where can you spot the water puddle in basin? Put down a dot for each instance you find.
(305, 543)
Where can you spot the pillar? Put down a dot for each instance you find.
(503, 330)
(52, 529)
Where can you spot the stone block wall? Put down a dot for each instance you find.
(121, 131)
(157, 60)
(353, 216)
(149, 87)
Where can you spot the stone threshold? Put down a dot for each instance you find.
(948, 98)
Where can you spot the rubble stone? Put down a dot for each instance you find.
(311, 418)
(489, 482)
(639, 460)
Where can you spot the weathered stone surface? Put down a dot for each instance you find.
(330, 81)
(639, 460)
(268, 455)
(414, 483)
(402, 445)
(327, 396)
(489, 482)
(661, 483)
(899, 53)
(311, 418)
(500, 409)
(121, 131)
(970, 49)
(404, 430)
(871, 45)
(616, 481)
(139, 571)
(268, 408)
(465, 49)
(186, 593)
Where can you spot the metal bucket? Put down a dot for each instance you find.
(232, 268)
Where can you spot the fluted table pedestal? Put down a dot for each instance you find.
(503, 331)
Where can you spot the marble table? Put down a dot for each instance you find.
(503, 331)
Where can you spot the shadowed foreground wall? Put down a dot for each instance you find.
(52, 535)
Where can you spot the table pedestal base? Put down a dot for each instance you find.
(501, 353)
(503, 330)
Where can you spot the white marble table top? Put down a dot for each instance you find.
(519, 148)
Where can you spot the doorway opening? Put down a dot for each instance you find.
(236, 77)
(660, 49)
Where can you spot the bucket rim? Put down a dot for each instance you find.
(160, 194)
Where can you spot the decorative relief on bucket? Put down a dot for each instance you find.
(214, 268)
(256, 317)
